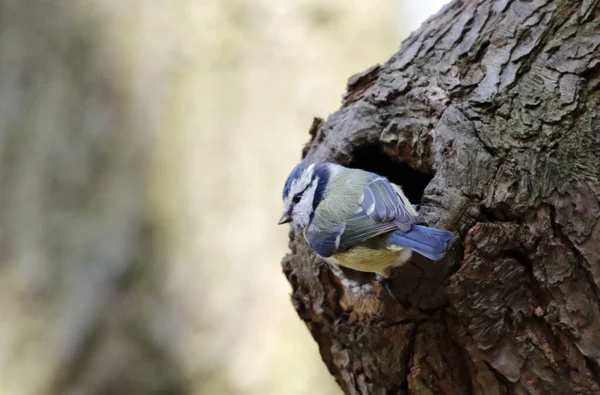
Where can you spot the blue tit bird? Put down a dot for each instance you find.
(357, 219)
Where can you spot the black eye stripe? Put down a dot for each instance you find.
(297, 195)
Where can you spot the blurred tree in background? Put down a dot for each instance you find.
(143, 147)
(82, 308)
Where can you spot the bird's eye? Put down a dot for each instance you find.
(296, 198)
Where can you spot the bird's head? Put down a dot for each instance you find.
(303, 190)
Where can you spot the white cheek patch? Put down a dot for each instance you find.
(300, 184)
(292, 192)
(304, 208)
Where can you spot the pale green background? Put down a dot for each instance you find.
(229, 89)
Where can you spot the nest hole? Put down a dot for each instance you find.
(412, 181)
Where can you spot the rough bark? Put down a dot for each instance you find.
(487, 115)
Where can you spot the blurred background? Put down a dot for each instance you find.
(143, 148)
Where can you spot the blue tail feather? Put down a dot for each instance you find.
(429, 242)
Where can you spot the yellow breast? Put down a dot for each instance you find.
(365, 259)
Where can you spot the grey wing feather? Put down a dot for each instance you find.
(381, 210)
(325, 242)
(361, 228)
(382, 203)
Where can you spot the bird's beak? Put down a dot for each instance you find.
(285, 218)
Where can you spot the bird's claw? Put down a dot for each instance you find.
(387, 284)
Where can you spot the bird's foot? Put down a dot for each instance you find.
(387, 284)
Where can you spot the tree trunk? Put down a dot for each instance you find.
(488, 116)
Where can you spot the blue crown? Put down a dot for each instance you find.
(321, 170)
(298, 170)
